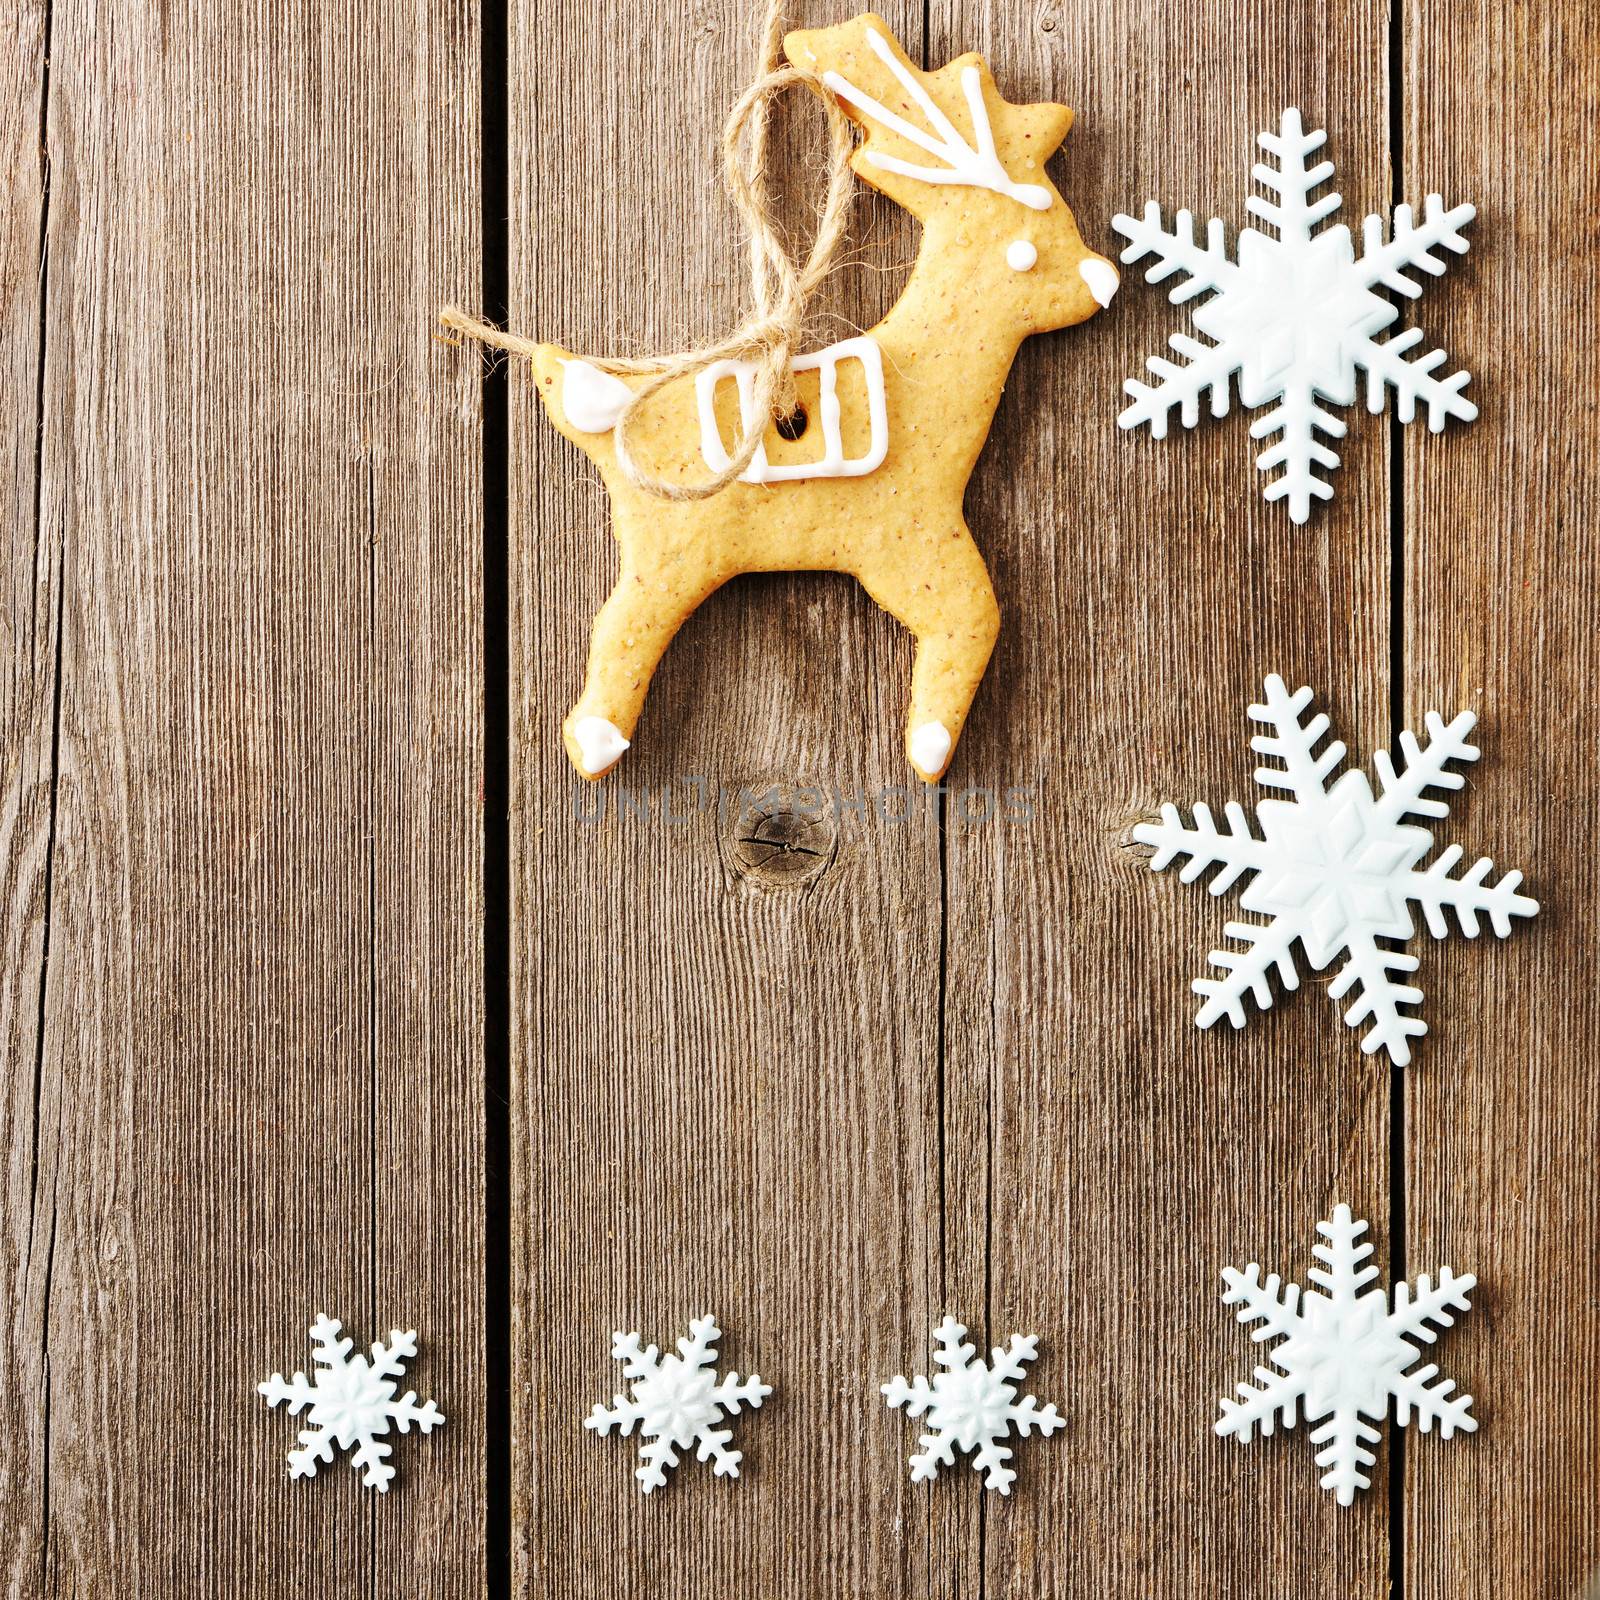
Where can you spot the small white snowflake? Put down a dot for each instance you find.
(1336, 868)
(1344, 1354)
(1295, 317)
(676, 1403)
(972, 1406)
(351, 1402)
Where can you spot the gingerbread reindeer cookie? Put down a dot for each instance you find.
(868, 476)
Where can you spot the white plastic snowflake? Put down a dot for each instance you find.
(972, 1406)
(1344, 1354)
(351, 1402)
(676, 1403)
(1336, 868)
(1295, 317)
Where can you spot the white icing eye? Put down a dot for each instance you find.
(1021, 255)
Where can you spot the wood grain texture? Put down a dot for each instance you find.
(259, 1085)
(726, 1093)
(28, 635)
(827, 1078)
(1501, 617)
(992, 1098)
(1111, 1158)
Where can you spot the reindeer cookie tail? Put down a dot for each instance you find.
(582, 401)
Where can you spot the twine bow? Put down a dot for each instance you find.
(780, 288)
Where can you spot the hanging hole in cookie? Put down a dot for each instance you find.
(792, 426)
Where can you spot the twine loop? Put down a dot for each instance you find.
(781, 289)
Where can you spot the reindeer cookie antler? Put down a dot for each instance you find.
(977, 165)
(892, 421)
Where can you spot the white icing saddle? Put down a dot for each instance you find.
(593, 400)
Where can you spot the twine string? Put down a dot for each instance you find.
(781, 289)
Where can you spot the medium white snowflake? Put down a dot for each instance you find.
(1295, 317)
(1344, 1354)
(676, 1403)
(1336, 868)
(972, 1406)
(351, 1402)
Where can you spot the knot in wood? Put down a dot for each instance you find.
(782, 837)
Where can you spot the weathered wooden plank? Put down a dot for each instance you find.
(28, 616)
(726, 1094)
(257, 1084)
(1107, 1158)
(1500, 617)
(260, 1089)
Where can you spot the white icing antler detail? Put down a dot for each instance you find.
(974, 166)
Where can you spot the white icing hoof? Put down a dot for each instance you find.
(592, 401)
(1102, 279)
(930, 748)
(600, 743)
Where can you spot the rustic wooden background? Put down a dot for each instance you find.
(319, 994)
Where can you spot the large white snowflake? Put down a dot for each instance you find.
(1295, 316)
(972, 1406)
(351, 1402)
(1337, 869)
(1345, 1354)
(676, 1403)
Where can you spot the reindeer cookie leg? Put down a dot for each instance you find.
(948, 602)
(631, 634)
